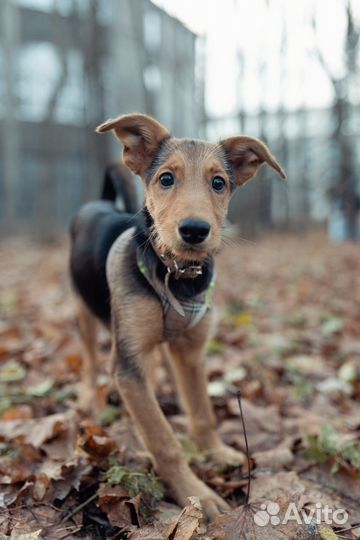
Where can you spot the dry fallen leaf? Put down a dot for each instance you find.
(188, 521)
(276, 458)
(274, 486)
(29, 536)
(180, 527)
(112, 501)
(266, 418)
(259, 520)
(37, 431)
(283, 292)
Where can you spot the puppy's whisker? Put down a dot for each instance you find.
(134, 216)
(236, 239)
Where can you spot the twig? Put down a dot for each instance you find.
(80, 507)
(238, 395)
(355, 526)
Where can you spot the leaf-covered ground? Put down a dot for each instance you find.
(287, 338)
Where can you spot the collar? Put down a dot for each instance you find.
(148, 268)
(190, 271)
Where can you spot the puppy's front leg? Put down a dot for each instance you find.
(133, 348)
(188, 356)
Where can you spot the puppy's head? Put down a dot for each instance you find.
(188, 182)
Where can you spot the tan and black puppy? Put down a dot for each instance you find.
(149, 276)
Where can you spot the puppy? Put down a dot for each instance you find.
(149, 276)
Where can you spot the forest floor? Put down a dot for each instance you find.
(287, 338)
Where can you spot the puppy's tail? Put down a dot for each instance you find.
(119, 187)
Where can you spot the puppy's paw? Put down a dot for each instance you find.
(87, 402)
(187, 484)
(222, 454)
(212, 505)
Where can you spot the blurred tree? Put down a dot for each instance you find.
(9, 26)
(90, 44)
(45, 224)
(343, 194)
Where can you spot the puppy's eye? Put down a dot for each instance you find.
(166, 180)
(218, 184)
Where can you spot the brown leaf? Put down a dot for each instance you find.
(111, 501)
(44, 479)
(29, 523)
(153, 532)
(274, 486)
(186, 523)
(276, 458)
(259, 439)
(39, 430)
(266, 418)
(19, 412)
(181, 527)
(97, 442)
(73, 362)
(12, 471)
(72, 473)
(28, 536)
(259, 520)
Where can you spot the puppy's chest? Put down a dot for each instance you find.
(179, 314)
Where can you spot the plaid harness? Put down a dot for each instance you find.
(180, 314)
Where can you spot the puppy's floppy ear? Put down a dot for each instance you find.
(141, 136)
(246, 155)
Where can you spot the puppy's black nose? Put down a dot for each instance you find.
(194, 231)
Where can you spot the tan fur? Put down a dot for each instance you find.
(88, 330)
(140, 135)
(137, 319)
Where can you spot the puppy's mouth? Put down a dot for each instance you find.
(192, 253)
(185, 253)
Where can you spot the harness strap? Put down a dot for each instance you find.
(180, 314)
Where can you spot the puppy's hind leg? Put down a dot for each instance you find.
(88, 332)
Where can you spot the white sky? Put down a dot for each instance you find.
(255, 27)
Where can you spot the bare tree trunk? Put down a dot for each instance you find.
(304, 178)
(92, 50)
(143, 58)
(46, 218)
(10, 137)
(343, 194)
(283, 152)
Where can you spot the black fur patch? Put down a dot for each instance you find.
(93, 231)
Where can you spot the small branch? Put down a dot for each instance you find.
(80, 507)
(355, 526)
(238, 395)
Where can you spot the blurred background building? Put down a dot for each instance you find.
(66, 65)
